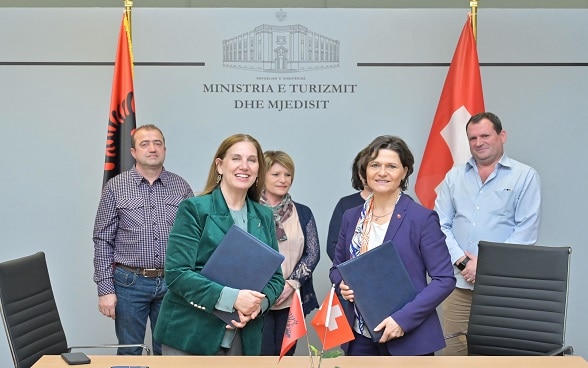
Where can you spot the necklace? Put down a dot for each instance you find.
(377, 218)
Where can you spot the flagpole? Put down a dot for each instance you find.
(474, 6)
(309, 351)
(327, 320)
(128, 7)
(307, 339)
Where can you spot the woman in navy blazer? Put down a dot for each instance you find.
(388, 214)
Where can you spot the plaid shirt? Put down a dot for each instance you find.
(133, 222)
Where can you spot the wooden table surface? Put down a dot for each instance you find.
(107, 361)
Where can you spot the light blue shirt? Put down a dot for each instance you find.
(506, 208)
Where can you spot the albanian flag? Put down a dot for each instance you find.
(122, 121)
(295, 327)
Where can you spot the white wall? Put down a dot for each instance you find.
(53, 118)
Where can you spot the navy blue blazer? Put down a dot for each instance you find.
(344, 204)
(417, 235)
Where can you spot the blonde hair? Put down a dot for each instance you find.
(279, 157)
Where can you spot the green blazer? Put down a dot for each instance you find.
(185, 319)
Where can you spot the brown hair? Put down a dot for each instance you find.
(146, 127)
(395, 144)
(254, 192)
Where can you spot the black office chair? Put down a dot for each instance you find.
(520, 300)
(29, 312)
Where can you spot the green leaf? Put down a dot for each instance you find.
(332, 353)
(314, 350)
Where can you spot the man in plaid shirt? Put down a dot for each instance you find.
(136, 212)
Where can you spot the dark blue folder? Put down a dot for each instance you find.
(241, 261)
(380, 283)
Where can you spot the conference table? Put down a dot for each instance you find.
(107, 361)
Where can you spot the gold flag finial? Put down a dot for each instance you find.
(474, 6)
(128, 7)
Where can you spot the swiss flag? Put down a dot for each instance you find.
(295, 327)
(461, 98)
(337, 330)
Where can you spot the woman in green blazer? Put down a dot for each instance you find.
(186, 324)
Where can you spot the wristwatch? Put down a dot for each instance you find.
(461, 265)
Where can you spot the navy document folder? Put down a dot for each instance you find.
(380, 283)
(241, 261)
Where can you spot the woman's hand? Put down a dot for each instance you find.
(248, 302)
(391, 330)
(288, 290)
(244, 319)
(346, 292)
(248, 306)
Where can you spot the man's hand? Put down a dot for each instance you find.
(469, 272)
(107, 305)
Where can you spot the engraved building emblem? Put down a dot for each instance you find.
(281, 49)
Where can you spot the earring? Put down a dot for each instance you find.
(218, 178)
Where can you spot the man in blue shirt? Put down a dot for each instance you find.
(492, 197)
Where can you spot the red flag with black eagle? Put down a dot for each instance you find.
(296, 325)
(122, 120)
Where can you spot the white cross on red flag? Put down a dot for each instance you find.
(461, 98)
